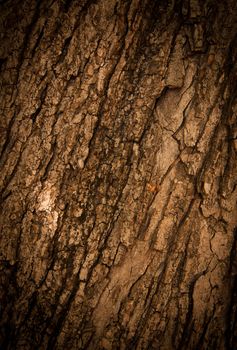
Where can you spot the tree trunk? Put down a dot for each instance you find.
(118, 174)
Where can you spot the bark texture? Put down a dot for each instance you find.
(118, 174)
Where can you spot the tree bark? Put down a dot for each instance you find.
(118, 174)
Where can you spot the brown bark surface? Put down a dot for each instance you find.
(118, 174)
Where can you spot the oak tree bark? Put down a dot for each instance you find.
(118, 174)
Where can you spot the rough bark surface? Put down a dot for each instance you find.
(118, 174)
